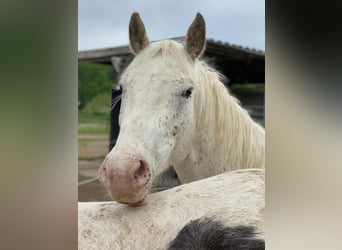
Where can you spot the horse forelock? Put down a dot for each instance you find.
(159, 55)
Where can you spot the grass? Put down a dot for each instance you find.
(93, 123)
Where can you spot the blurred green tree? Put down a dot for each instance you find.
(94, 79)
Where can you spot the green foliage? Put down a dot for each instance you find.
(94, 79)
(101, 103)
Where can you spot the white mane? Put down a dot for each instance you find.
(238, 140)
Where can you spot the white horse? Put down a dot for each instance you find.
(176, 111)
(223, 211)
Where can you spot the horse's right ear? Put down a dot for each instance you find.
(137, 34)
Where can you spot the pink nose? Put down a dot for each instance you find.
(126, 180)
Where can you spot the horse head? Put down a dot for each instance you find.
(157, 111)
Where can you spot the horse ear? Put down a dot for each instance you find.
(195, 38)
(137, 34)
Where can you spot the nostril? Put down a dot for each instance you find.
(142, 174)
(141, 168)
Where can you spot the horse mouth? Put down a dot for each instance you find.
(139, 203)
(135, 196)
(130, 199)
(127, 185)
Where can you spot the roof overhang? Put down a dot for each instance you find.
(239, 64)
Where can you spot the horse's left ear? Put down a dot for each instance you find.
(137, 34)
(195, 38)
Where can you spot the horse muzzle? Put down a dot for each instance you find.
(126, 180)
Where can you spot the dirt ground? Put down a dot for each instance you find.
(92, 149)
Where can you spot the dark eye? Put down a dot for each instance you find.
(118, 89)
(187, 93)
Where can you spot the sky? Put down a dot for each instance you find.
(104, 23)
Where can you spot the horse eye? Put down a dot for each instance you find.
(187, 93)
(117, 90)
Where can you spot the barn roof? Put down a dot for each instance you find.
(240, 64)
(216, 47)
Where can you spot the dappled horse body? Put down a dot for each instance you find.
(176, 111)
(221, 212)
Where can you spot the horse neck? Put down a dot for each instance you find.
(226, 135)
